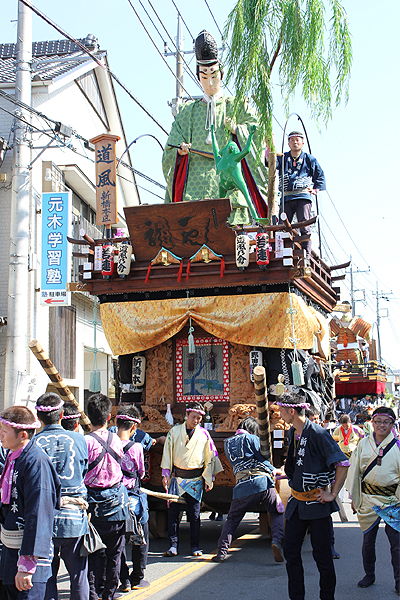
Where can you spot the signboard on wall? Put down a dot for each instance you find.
(56, 250)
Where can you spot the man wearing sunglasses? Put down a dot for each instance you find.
(373, 483)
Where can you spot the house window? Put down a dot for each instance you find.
(204, 375)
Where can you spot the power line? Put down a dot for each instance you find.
(188, 70)
(222, 35)
(183, 20)
(155, 46)
(151, 20)
(93, 57)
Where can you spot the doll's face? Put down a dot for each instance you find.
(210, 79)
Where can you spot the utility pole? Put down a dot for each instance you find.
(353, 291)
(379, 296)
(378, 323)
(179, 66)
(18, 279)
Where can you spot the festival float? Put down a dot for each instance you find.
(204, 290)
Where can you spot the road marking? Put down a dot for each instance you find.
(186, 570)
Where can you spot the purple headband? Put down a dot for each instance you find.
(34, 425)
(305, 405)
(75, 416)
(128, 418)
(197, 410)
(49, 408)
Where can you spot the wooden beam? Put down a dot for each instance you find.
(342, 266)
(58, 382)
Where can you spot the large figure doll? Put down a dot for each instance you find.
(192, 176)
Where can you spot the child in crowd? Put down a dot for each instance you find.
(137, 527)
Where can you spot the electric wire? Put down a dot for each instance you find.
(93, 57)
(188, 70)
(70, 147)
(183, 20)
(152, 22)
(155, 46)
(221, 34)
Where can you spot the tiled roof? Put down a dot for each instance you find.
(50, 59)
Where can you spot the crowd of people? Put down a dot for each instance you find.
(75, 497)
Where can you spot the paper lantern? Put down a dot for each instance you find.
(256, 360)
(107, 260)
(242, 251)
(124, 259)
(262, 249)
(138, 370)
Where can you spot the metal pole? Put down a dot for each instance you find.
(179, 61)
(378, 323)
(18, 281)
(353, 308)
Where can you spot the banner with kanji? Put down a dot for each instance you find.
(106, 179)
(56, 251)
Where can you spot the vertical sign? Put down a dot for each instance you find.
(56, 250)
(106, 179)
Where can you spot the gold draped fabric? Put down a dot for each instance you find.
(251, 320)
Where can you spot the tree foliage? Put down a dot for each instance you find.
(294, 41)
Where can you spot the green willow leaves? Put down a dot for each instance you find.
(291, 45)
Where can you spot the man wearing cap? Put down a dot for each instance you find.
(30, 497)
(302, 179)
(192, 176)
(316, 469)
(189, 463)
(68, 452)
(374, 485)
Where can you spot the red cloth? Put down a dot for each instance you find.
(254, 192)
(346, 435)
(179, 177)
(347, 389)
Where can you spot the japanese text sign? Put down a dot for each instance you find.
(56, 251)
(106, 179)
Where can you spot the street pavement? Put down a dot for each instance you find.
(250, 571)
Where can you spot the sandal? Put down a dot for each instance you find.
(197, 552)
(171, 552)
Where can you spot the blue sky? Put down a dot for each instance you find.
(357, 149)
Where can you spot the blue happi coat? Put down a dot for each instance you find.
(35, 498)
(310, 464)
(138, 436)
(243, 452)
(68, 452)
(306, 172)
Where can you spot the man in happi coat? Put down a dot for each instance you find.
(303, 179)
(30, 497)
(374, 485)
(189, 464)
(254, 485)
(314, 461)
(192, 176)
(67, 451)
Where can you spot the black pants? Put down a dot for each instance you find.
(112, 534)
(77, 566)
(320, 533)
(239, 507)
(36, 592)
(193, 513)
(139, 561)
(302, 210)
(369, 554)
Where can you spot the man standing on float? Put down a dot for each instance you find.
(192, 176)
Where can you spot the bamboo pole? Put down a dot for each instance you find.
(58, 382)
(262, 412)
